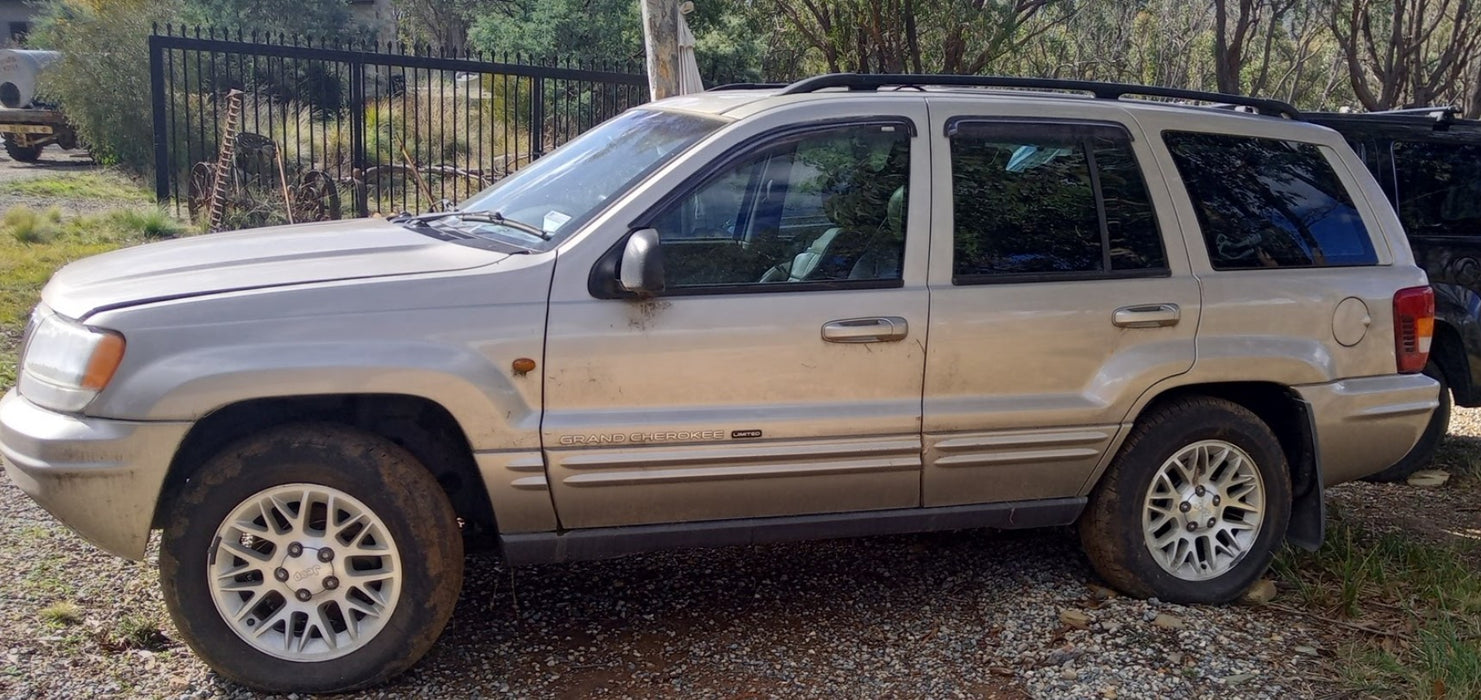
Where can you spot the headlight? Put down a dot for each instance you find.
(65, 364)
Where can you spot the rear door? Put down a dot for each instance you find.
(1056, 300)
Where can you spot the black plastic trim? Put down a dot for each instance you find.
(1308, 524)
(968, 126)
(608, 542)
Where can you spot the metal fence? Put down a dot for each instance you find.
(323, 131)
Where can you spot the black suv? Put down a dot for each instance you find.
(1429, 163)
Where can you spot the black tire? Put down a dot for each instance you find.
(23, 154)
(1111, 529)
(387, 480)
(1423, 452)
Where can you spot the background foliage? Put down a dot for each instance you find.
(1317, 54)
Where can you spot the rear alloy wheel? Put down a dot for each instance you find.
(311, 558)
(1193, 507)
(1203, 511)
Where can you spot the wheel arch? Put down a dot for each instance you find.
(421, 426)
(1289, 417)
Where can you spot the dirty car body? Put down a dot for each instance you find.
(730, 318)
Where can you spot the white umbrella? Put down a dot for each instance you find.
(689, 80)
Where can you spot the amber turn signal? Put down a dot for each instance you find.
(104, 362)
(524, 365)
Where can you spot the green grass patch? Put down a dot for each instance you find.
(1424, 596)
(27, 225)
(34, 244)
(93, 185)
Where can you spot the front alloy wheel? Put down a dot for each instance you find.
(311, 558)
(305, 572)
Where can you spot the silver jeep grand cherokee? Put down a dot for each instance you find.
(828, 309)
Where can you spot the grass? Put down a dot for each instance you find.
(34, 243)
(1423, 600)
(95, 185)
(62, 612)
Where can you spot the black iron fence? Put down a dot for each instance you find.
(318, 131)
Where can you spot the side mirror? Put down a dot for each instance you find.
(641, 271)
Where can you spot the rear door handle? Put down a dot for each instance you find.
(1147, 316)
(881, 329)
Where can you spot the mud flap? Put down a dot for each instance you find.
(1308, 523)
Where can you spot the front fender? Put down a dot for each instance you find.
(183, 363)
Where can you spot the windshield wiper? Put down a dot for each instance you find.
(480, 217)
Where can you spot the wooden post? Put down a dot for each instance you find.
(661, 40)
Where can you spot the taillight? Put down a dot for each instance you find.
(1414, 327)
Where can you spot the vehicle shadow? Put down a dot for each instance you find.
(762, 619)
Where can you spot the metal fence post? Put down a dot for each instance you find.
(537, 117)
(358, 137)
(162, 169)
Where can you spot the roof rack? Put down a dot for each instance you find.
(1104, 91)
(1438, 112)
(746, 86)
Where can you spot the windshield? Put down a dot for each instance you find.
(561, 191)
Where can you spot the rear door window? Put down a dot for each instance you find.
(1049, 201)
(1439, 188)
(1266, 203)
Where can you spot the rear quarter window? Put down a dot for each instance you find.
(1269, 203)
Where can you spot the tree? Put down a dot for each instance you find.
(953, 36)
(316, 18)
(1234, 36)
(1407, 52)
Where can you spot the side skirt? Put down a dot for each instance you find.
(608, 542)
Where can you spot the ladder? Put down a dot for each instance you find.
(217, 204)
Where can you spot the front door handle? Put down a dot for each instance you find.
(882, 329)
(1147, 316)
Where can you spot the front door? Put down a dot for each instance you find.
(780, 372)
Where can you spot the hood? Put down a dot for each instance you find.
(270, 257)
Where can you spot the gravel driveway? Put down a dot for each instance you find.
(947, 615)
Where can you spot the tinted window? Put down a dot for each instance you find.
(827, 207)
(1439, 188)
(1269, 203)
(1046, 199)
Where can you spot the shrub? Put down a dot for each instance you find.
(102, 79)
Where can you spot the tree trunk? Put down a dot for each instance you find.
(661, 40)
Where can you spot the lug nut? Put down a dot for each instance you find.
(331, 583)
(295, 549)
(1198, 490)
(1185, 506)
(1212, 522)
(304, 595)
(326, 554)
(280, 574)
(1192, 527)
(1216, 500)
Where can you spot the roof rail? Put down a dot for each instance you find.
(746, 86)
(1104, 91)
(1439, 112)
